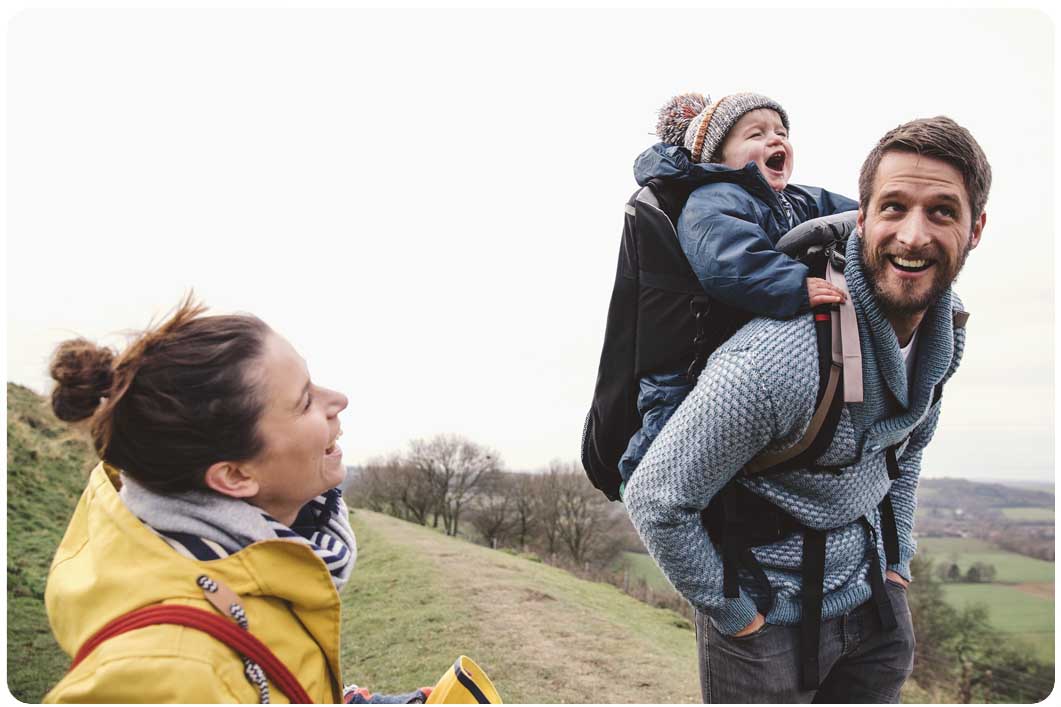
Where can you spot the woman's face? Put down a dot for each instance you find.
(299, 426)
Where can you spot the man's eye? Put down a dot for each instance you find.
(891, 207)
(945, 211)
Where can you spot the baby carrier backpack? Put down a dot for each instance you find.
(660, 319)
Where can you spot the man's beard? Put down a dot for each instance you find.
(905, 302)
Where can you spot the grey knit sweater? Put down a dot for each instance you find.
(757, 392)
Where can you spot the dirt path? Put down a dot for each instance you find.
(560, 638)
(1038, 589)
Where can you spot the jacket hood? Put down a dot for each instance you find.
(672, 162)
(109, 563)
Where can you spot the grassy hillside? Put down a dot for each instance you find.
(541, 634)
(47, 466)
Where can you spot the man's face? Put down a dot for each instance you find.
(916, 231)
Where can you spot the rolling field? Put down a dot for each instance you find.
(1029, 515)
(1017, 613)
(1012, 568)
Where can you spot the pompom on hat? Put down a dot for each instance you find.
(693, 121)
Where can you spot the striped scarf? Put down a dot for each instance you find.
(203, 525)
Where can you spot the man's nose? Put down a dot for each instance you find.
(915, 231)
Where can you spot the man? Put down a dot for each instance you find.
(921, 210)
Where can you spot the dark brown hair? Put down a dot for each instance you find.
(942, 139)
(178, 399)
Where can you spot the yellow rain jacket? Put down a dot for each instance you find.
(109, 564)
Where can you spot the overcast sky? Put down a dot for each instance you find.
(428, 204)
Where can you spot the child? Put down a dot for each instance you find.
(738, 149)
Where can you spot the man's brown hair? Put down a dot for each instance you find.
(942, 139)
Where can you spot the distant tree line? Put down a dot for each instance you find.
(977, 572)
(450, 482)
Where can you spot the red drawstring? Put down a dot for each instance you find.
(220, 628)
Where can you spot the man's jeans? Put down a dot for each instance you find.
(858, 662)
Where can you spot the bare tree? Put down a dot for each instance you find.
(546, 491)
(391, 485)
(492, 509)
(453, 467)
(524, 509)
(587, 525)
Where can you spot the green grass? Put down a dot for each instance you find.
(642, 566)
(47, 465)
(1012, 568)
(1022, 616)
(397, 646)
(948, 546)
(1030, 515)
(418, 599)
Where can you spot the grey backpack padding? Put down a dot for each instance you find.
(818, 232)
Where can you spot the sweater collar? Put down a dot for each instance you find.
(880, 345)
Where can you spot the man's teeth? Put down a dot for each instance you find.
(910, 263)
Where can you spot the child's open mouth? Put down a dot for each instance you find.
(776, 161)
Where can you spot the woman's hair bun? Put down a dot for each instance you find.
(676, 114)
(84, 373)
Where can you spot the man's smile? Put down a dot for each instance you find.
(910, 265)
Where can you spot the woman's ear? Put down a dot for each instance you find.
(230, 479)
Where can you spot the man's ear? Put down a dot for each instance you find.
(978, 230)
(230, 479)
(860, 221)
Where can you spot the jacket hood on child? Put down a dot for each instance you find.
(109, 563)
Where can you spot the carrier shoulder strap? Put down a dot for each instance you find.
(224, 630)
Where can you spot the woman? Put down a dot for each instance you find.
(219, 472)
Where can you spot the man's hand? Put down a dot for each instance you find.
(754, 626)
(821, 292)
(897, 578)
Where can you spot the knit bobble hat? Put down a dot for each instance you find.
(700, 126)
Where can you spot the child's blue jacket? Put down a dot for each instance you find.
(728, 229)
